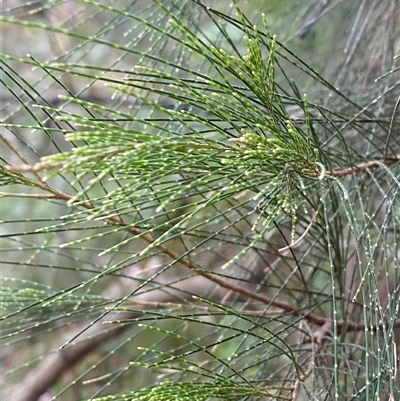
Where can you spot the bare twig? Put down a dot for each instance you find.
(372, 164)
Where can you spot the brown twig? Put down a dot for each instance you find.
(372, 164)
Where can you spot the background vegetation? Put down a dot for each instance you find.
(200, 200)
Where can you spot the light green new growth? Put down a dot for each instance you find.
(251, 144)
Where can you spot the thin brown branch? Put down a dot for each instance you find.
(372, 164)
(349, 326)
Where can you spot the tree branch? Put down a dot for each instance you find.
(51, 369)
(372, 164)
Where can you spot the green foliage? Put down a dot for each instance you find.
(227, 390)
(189, 212)
(267, 154)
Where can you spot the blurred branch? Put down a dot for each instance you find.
(57, 364)
(312, 18)
(89, 340)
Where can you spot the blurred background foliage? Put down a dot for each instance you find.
(67, 58)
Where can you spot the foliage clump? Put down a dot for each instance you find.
(169, 141)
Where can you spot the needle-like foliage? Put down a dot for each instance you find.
(187, 194)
